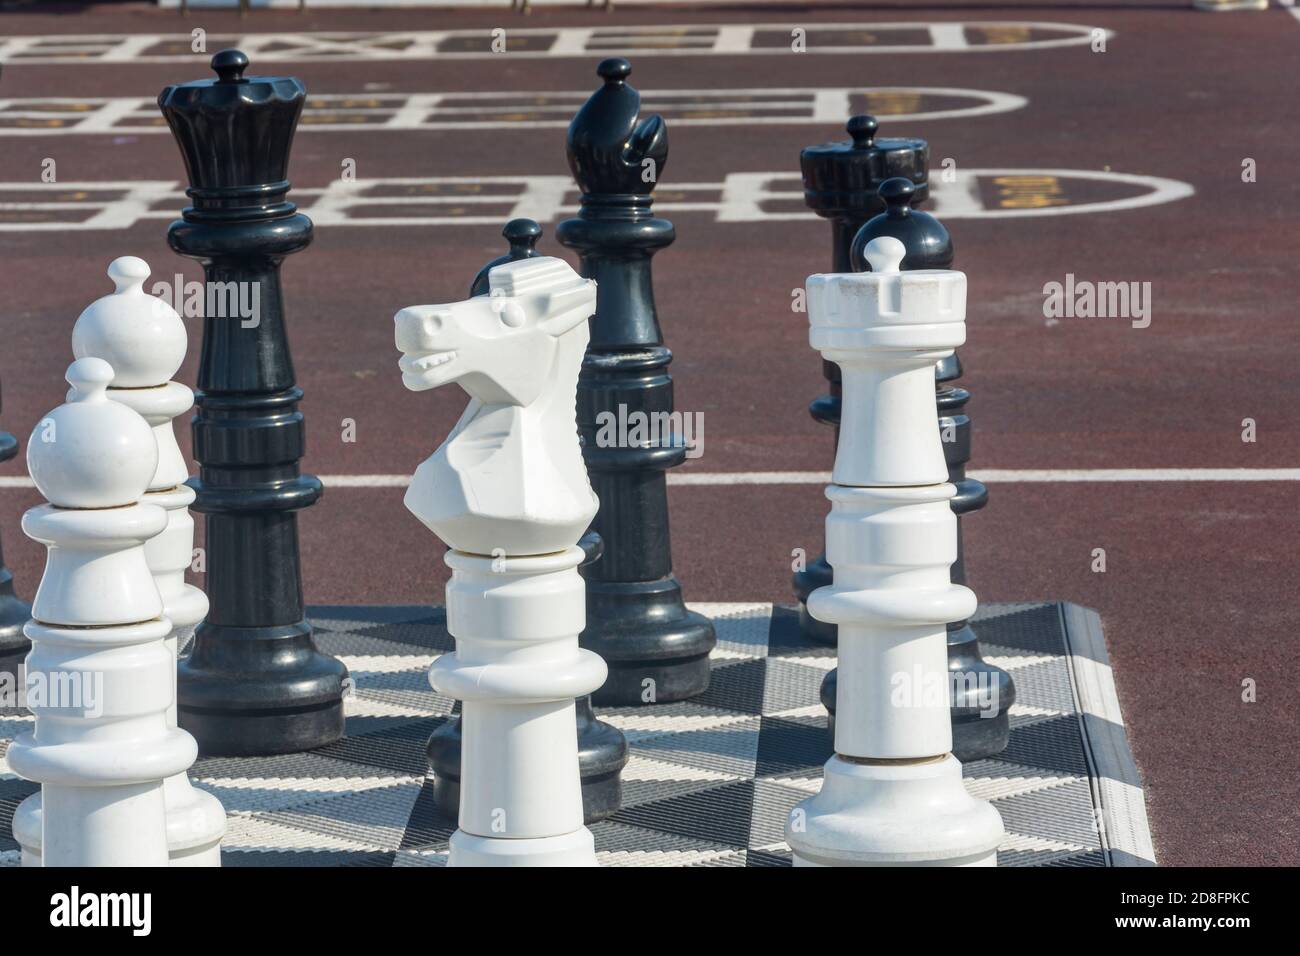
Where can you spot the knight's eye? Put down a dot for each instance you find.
(512, 314)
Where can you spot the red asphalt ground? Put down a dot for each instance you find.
(1199, 592)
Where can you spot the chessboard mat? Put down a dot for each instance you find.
(709, 782)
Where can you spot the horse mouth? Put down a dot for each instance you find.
(424, 362)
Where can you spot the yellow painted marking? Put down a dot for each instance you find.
(1029, 192)
(325, 118)
(893, 104)
(995, 35)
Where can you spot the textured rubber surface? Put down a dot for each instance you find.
(710, 780)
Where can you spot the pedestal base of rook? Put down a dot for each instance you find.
(516, 670)
(916, 814)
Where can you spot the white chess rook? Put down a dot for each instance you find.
(100, 677)
(892, 795)
(508, 491)
(144, 340)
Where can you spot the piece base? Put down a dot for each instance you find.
(570, 849)
(656, 650)
(196, 823)
(893, 814)
(248, 692)
(636, 683)
(263, 734)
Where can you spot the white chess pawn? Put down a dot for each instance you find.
(100, 677)
(892, 795)
(144, 340)
(508, 491)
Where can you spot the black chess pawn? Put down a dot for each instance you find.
(602, 748)
(13, 612)
(522, 235)
(255, 682)
(841, 183)
(657, 650)
(975, 734)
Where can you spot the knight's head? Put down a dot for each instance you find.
(499, 347)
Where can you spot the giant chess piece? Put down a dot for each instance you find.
(255, 682)
(14, 613)
(841, 182)
(982, 692)
(892, 794)
(656, 650)
(602, 748)
(100, 675)
(509, 494)
(144, 341)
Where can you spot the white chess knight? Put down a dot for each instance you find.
(508, 491)
(144, 341)
(892, 795)
(100, 677)
(512, 352)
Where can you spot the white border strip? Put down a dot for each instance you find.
(1117, 788)
(992, 476)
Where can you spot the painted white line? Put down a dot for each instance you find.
(733, 39)
(948, 36)
(711, 39)
(991, 476)
(741, 198)
(1159, 190)
(1008, 476)
(364, 112)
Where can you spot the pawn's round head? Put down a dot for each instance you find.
(92, 452)
(138, 334)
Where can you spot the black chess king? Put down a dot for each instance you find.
(254, 682)
(657, 650)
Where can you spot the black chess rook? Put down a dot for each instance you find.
(637, 620)
(254, 682)
(841, 182)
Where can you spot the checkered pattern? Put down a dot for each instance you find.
(709, 783)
